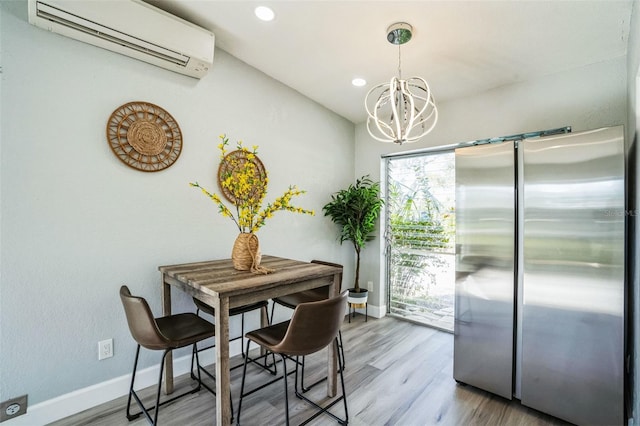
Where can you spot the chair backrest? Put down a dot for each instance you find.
(142, 324)
(313, 326)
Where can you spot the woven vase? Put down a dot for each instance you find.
(246, 254)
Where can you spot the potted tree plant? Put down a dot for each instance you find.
(355, 209)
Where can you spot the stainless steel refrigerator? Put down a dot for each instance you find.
(540, 273)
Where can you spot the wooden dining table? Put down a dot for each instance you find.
(218, 284)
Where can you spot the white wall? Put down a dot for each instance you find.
(584, 98)
(76, 223)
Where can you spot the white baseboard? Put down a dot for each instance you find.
(83, 399)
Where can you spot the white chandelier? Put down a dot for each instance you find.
(402, 110)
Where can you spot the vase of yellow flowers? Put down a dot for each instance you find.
(243, 181)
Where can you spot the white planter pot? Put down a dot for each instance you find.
(358, 298)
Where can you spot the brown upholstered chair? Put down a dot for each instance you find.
(303, 335)
(165, 334)
(292, 300)
(240, 310)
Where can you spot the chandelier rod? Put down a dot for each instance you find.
(399, 63)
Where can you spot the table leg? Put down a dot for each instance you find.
(223, 379)
(168, 361)
(332, 355)
(264, 322)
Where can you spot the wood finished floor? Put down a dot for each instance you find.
(398, 373)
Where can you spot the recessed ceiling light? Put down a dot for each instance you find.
(264, 13)
(358, 82)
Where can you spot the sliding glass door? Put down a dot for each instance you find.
(419, 237)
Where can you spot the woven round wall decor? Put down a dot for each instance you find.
(144, 136)
(234, 162)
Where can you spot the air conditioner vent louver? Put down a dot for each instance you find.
(132, 28)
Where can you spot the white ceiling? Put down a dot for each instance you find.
(459, 47)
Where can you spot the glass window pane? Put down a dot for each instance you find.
(420, 232)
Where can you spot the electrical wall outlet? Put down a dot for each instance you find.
(370, 286)
(13, 408)
(105, 349)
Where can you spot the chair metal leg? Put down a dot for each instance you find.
(286, 388)
(341, 358)
(146, 410)
(133, 393)
(199, 378)
(244, 374)
(242, 337)
(196, 351)
(133, 378)
(344, 392)
(298, 394)
(326, 408)
(341, 352)
(302, 386)
(157, 406)
(243, 394)
(244, 354)
(200, 368)
(305, 389)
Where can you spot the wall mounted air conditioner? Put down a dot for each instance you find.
(130, 27)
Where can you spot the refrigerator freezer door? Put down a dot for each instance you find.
(573, 312)
(484, 300)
